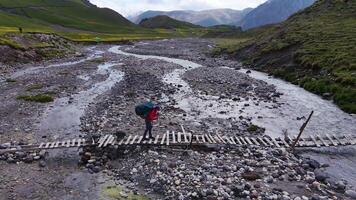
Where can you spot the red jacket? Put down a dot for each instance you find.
(152, 115)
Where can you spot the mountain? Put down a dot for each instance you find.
(202, 18)
(273, 11)
(77, 14)
(165, 22)
(315, 48)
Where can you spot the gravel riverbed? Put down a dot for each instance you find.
(210, 97)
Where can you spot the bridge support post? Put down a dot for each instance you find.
(301, 131)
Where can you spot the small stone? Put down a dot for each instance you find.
(42, 163)
(96, 169)
(351, 193)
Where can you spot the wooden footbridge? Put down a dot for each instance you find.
(184, 139)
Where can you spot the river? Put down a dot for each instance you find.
(296, 103)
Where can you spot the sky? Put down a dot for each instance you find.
(132, 7)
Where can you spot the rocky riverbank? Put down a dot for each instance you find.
(209, 96)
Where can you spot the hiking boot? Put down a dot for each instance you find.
(152, 137)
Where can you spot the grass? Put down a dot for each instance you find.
(41, 98)
(9, 80)
(114, 192)
(315, 49)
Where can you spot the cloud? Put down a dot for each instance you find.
(129, 7)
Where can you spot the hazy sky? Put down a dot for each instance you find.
(129, 7)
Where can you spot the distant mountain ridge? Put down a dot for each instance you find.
(273, 11)
(202, 18)
(163, 21)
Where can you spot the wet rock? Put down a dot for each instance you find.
(313, 164)
(42, 163)
(320, 175)
(10, 160)
(251, 176)
(351, 194)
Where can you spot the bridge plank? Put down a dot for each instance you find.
(203, 138)
(232, 140)
(248, 140)
(314, 140)
(128, 140)
(276, 143)
(332, 141)
(68, 143)
(41, 145)
(222, 139)
(121, 141)
(133, 140)
(156, 140)
(242, 141)
(139, 140)
(102, 140)
(208, 138)
(56, 145)
(212, 139)
(47, 145)
(150, 141)
(185, 138)
(265, 141)
(179, 137)
(285, 143)
(173, 137)
(163, 139)
(349, 139)
(352, 139)
(167, 138)
(108, 140)
(238, 140)
(197, 138)
(253, 140)
(322, 140)
(338, 139)
(290, 140)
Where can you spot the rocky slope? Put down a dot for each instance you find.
(314, 48)
(273, 11)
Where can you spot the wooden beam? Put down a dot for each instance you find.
(128, 140)
(275, 142)
(331, 140)
(255, 141)
(248, 140)
(163, 139)
(242, 141)
(263, 139)
(157, 138)
(322, 140)
(238, 140)
(133, 140)
(314, 140)
(174, 137)
(167, 138)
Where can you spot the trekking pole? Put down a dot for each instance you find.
(301, 130)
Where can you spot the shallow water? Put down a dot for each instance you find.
(296, 103)
(62, 119)
(32, 70)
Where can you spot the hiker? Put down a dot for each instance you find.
(20, 29)
(149, 112)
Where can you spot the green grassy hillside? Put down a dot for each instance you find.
(315, 48)
(165, 22)
(67, 13)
